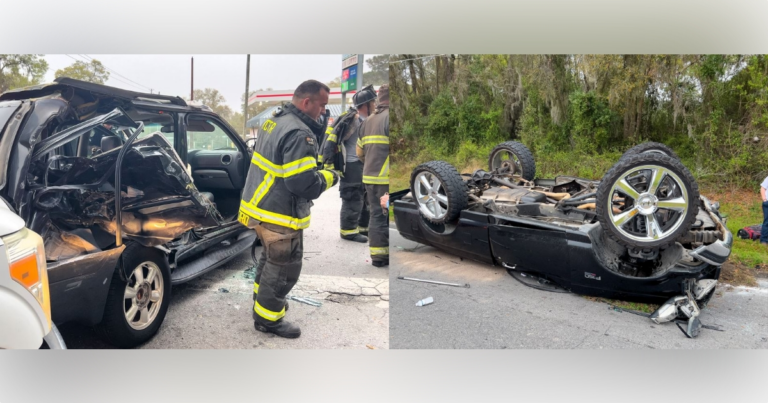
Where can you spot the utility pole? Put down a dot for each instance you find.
(192, 82)
(245, 108)
(360, 62)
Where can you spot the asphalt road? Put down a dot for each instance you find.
(214, 310)
(498, 312)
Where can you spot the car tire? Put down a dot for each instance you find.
(444, 195)
(671, 207)
(525, 166)
(651, 147)
(150, 300)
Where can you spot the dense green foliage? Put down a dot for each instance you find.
(711, 109)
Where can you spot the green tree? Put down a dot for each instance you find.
(93, 72)
(213, 99)
(21, 70)
(378, 73)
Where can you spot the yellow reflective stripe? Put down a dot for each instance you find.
(376, 180)
(380, 251)
(373, 140)
(328, 130)
(285, 170)
(320, 158)
(332, 137)
(385, 169)
(266, 313)
(328, 178)
(350, 231)
(259, 160)
(274, 218)
(359, 143)
(255, 288)
(362, 229)
(262, 189)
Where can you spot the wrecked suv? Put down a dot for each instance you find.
(132, 193)
(642, 233)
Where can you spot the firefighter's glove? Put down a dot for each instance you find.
(337, 175)
(331, 177)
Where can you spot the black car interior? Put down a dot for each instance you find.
(216, 162)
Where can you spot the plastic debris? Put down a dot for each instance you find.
(425, 301)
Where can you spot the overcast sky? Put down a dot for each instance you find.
(170, 74)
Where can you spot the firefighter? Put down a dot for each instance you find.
(373, 150)
(283, 179)
(338, 151)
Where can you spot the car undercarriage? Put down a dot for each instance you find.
(643, 232)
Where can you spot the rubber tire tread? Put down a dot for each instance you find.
(624, 164)
(454, 185)
(523, 154)
(650, 145)
(113, 328)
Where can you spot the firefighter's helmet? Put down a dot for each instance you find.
(362, 97)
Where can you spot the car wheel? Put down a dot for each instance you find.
(651, 147)
(439, 191)
(513, 157)
(647, 200)
(135, 309)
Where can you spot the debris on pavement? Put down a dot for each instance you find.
(370, 347)
(433, 282)
(249, 273)
(680, 323)
(308, 301)
(425, 301)
(223, 290)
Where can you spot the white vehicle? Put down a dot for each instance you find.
(25, 306)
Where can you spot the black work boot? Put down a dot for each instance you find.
(356, 238)
(286, 301)
(380, 263)
(280, 328)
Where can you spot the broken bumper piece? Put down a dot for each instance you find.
(686, 306)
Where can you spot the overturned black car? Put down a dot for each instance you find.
(642, 233)
(131, 192)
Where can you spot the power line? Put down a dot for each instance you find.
(115, 78)
(415, 58)
(137, 85)
(113, 71)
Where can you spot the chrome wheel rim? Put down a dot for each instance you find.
(431, 196)
(655, 203)
(143, 295)
(508, 161)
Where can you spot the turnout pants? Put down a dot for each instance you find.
(354, 209)
(278, 270)
(764, 230)
(378, 234)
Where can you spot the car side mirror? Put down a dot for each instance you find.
(250, 144)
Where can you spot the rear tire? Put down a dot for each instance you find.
(144, 298)
(439, 191)
(650, 147)
(516, 152)
(660, 201)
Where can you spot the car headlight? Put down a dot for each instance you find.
(26, 256)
